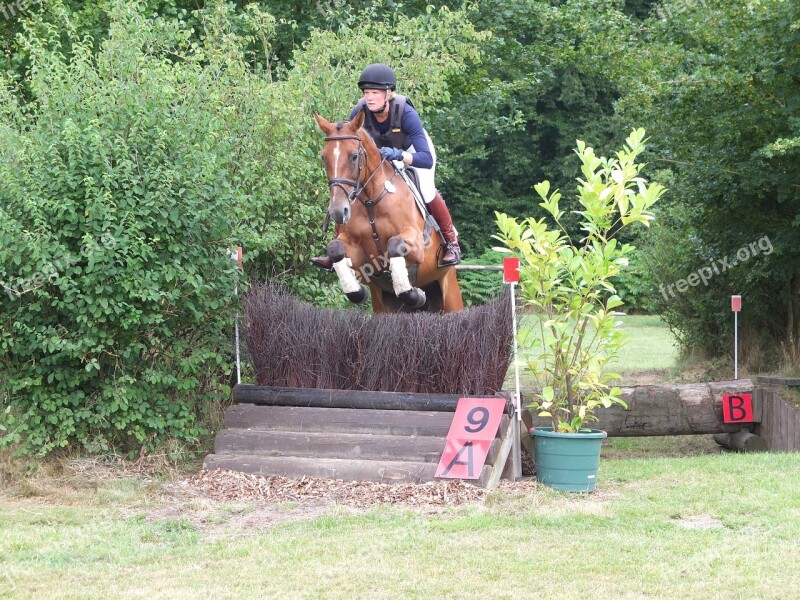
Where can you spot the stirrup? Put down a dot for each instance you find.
(440, 262)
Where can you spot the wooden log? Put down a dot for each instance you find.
(346, 420)
(655, 410)
(317, 398)
(329, 445)
(423, 449)
(741, 441)
(766, 428)
(502, 462)
(777, 380)
(332, 468)
(785, 416)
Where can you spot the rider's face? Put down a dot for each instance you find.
(375, 99)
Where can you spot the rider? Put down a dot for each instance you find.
(392, 122)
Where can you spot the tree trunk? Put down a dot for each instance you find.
(666, 410)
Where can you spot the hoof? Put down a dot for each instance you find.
(357, 297)
(323, 262)
(413, 298)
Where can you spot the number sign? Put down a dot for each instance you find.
(737, 408)
(472, 430)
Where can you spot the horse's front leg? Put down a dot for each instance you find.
(403, 250)
(343, 266)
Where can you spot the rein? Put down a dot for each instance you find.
(358, 188)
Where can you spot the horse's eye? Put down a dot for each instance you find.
(354, 156)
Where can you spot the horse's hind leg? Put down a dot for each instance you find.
(411, 296)
(342, 265)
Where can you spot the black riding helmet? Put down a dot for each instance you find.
(377, 77)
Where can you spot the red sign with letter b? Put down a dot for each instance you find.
(737, 408)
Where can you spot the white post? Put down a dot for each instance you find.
(236, 330)
(736, 345)
(736, 306)
(236, 256)
(517, 442)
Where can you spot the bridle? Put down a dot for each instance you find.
(340, 182)
(357, 189)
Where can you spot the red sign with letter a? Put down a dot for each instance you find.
(472, 430)
(737, 408)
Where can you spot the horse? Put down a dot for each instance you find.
(382, 236)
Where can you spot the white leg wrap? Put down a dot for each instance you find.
(400, 282)
(347, 277)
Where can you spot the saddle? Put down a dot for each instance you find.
(409, 175)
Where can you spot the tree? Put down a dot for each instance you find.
(717, 86)
(514, 117)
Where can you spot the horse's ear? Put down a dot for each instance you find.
(358, 120)
(325, 127)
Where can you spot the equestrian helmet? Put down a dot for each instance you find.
(377, 77)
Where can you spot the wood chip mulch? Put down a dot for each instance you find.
(226, 485)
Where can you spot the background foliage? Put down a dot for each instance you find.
(718, 85)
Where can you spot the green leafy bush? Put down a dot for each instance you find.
(125, 176)
(636, 286)
(118, 210)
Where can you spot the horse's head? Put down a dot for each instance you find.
(345, 157)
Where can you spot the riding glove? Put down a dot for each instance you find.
(392, 153)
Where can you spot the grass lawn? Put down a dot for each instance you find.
(649, 355)
(649, 346)
(723, 526)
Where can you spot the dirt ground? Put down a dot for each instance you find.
(222, 500)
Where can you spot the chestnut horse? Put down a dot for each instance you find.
(382, 236)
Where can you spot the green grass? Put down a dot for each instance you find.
(724, 526)
(649, 355)
(649, 346)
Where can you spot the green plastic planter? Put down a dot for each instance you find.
(567, 461)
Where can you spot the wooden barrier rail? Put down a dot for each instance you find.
(279, 396)
(657, 410)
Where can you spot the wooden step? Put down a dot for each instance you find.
(375, 421)
(356, 399)
(263, 442)
(334, 468)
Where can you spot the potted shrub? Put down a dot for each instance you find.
(569, 286)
